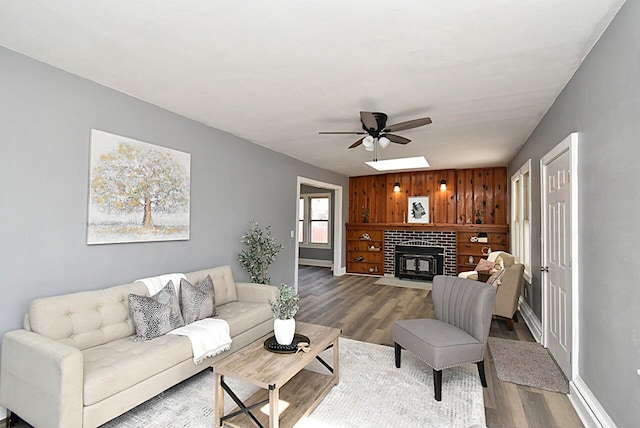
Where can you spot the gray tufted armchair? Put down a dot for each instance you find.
(457, 335)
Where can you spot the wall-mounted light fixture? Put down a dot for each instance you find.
(396, 187)
(443, 184)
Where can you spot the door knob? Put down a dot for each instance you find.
(544, 269)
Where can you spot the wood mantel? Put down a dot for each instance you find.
(432, 226)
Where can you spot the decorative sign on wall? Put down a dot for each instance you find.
(137, 191)
(418, 209)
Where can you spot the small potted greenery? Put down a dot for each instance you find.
(365, 215)
(478, 213)
(284, 308)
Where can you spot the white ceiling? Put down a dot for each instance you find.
(277, 72)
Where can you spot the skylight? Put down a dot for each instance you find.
(397, 164)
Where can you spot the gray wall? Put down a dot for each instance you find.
(320, 253)
(602, 102)
(46, 116)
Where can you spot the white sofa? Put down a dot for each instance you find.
(74, 363)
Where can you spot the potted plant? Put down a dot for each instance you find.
(284, 308)
(365, 215)
(261, 251)
(478, 212)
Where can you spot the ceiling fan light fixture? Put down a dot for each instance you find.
(384, 142)
(368, 143)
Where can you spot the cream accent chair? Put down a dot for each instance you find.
(508, 293)
(509, 286)
(507, 259)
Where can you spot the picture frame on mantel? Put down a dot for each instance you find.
(418, 209)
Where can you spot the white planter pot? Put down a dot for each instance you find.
(284, 330)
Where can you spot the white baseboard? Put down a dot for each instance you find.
(340, 271)
(531, 320)
(587, 406)
(315, 262)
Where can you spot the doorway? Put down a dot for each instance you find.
(338, 269)
(559, 263)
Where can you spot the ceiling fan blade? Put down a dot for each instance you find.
(410, 124)
(369, 120)
(397, 139)
(357, 143)
(343, 132)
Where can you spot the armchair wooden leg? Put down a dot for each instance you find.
(437, 384)
(510, 324)
(515, 316)
(483, 378)
(398, 350)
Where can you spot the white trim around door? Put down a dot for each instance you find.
(338, 269)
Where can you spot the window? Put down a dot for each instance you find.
(301, 220)
(521, 216)
(314, 225)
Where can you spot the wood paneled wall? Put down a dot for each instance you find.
(467, 190)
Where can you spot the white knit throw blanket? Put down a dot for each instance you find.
(209, 337)
(157, 283)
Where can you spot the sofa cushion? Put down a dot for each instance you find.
(155, 315)
(197, 301)
(439, 344)
(85, 319)
(243, 316)
(223, 283)
(118, 365)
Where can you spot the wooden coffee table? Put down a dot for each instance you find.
(282, 377)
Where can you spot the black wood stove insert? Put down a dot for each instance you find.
(419, 262)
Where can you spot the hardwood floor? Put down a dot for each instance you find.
(366, 311)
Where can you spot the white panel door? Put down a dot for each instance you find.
(557, 258)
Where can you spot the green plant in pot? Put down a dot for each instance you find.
(284, 308)
(365, 215)
(260, 253)
(478, 213)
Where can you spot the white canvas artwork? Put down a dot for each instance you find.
(137, 191)
(418, 209)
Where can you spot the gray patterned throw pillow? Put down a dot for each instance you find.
(156, 315)
(197, 301)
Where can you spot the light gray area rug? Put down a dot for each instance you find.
(527, 363)
(397, 282)
(371, 393)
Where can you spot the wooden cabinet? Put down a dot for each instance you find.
(469, 253)
(365, 255)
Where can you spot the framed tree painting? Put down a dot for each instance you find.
(418, 209)
(137, 191)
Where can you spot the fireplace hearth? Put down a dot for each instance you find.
(418, 262)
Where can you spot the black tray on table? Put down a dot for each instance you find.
(272, 346)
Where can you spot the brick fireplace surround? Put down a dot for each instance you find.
(445, 239)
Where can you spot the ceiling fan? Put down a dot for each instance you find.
(375, 129)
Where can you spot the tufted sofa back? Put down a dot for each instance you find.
(91, 318)
(223, 283)
(85, 319)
